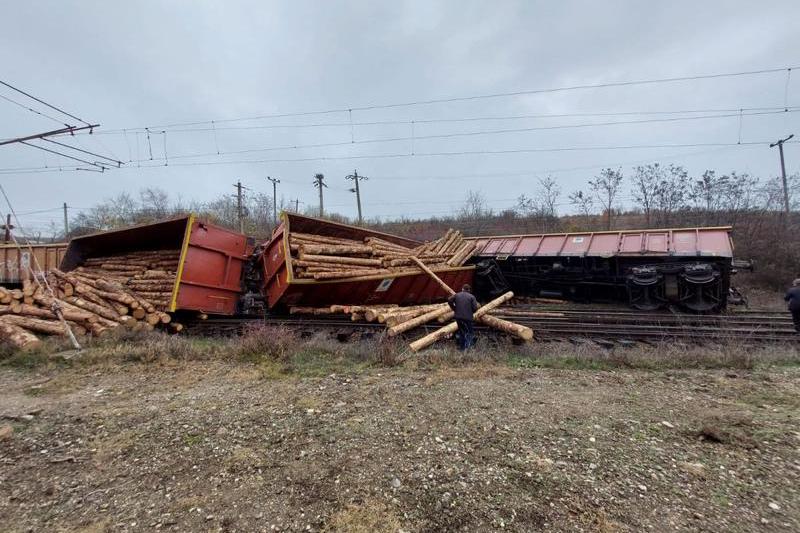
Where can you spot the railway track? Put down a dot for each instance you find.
(552, 323)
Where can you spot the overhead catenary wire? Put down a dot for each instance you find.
(32, 110)
(51, 106)
(351, 108)
(416, 138)
(412, 122)
(63, 155)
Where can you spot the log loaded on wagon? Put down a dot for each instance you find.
(312, 262)
(649, 269)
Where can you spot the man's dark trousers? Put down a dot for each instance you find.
(466, 334)
(795, 319)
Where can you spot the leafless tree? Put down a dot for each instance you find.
(606, 188)
(645, 181)
(671, 194)
(584, 203)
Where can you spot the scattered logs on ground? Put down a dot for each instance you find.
(400, 319)
(321, 257)
(131, 290)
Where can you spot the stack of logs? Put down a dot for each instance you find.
(401, 319)
(131, 290)
(322, 257)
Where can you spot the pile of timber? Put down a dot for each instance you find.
(400, 319)
(130, 291)
(322, 257)
(147, 274)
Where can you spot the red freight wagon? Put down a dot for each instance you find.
(650, 269)
(16, 263)
(282, 289)
(210, 263)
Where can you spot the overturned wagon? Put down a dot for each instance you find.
(401, 283)
(202, 263)
(649, 269)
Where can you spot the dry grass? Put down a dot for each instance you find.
(278, 352)
(372, 516)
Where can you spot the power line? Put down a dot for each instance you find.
(43, 102)
(467, 134)
(32, 110)
(350, 109)
(118, 163)
(461, 119)
(62, 154)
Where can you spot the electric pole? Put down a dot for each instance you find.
(319, 184)
(66, 221)
(355, 177)
(297, 203)
(239, 210)
(779, 144)
(275, 183)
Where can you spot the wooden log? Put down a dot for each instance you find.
(48, 327)
(13, 307)
(343, 274)
(322, 239)
(342, 260)
(5, 296)
(436, 278)
(322, 249)
(418, 321)
(429, 339)
(392, 320)
(154, 274)
(518, 330)
(138, 313)
(17, 336)
(99, 310)
(176, 327)
(27, 288)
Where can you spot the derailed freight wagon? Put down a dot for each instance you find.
(209, 260)
(649, 269)
(282, 289)
(16, 263)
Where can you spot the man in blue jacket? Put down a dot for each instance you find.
(793, 297)
(464, 305)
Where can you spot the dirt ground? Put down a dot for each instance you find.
(212, 446)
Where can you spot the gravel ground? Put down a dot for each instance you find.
(204, 446)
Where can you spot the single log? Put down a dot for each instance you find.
(418, 321)
(138, 313)
(322, 239)
(49, 327)
(17, 336)
(342, 260)
(14, 307)
(152, 318)
(176, 327)
(27, 287)
(398, 318)
(429, 339)
(322, 249)
(522, 332)
(435, 278)
(99, 310)
(343, 274)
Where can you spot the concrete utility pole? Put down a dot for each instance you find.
(355, 177)
(66, 221)
(275, 183)
(319, 184)
(779, 144)
(297, 203)
(239, 210)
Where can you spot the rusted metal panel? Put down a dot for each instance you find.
(211, 259)
(282, 290)
(713, 242)
(16, 264)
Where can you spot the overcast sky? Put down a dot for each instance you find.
(129, 65)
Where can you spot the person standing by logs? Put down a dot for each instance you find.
(793, 297)
(464, 305)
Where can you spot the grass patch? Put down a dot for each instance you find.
(372, 516)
